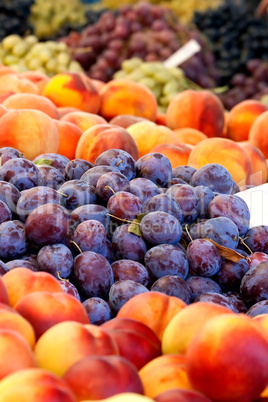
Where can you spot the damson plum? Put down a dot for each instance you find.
(125, 205)
(3, 268)
(127, 245)
(183, 172)
(166, 259)
(22, 173)
(90, 236)
(165, 203)
(236, 302)
(231, 207)
(107, 251)
(76, 168)
(205, 196)
(214, 176)
(254, 285)
(216, 298)
(196, 230)
(175, 180)
(93, 274)
(155, 167)
(56, 160)
(120, 159)
(56, 259)
(256, 239)
(51, 177)
(47, 224)
(88, 212)
(5, 213)
(160, 228)
(173, 285)
(258, 308)
(221, 230)
(128, 269)
(33, 198)
(13, 242)
(256, 258)
(7, 153)
(122, 291)
(70, 289)
(98, 310)
(9, 194)
(230, 274)
(188, 201)
(204, 258)
(110, 183)
(92, 175)
(75, 193)
(144, 189)
(22, 263)
(200, 285)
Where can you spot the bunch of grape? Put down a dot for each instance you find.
(237, 37)
(27, 53)
(149, 32)
(164, 82)
(14, 17)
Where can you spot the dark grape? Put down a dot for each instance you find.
(160, 228)
(144, 189)
(155, 167)
(214, 176)
(119, 159)
(165, 203)
(98, 310)
(76, 168)
(187, 199)
(90, 236)
(200, 285)
(173, 285)
(75, 193)
(55, 259)
(127, 245)
(22, 173)
(122, 291)
(128, 269)
(204, 258)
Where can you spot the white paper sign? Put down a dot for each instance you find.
(256, 199)
(184, 53)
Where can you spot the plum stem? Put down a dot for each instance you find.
(118, 163)
(110, 188)
(60, 278)
(188, 233)
(76, 245)
(244, 244)
(123, 220)
(64, 195)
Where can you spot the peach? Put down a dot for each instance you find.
(201, 110)
(3, 110)
(109, 375)
(13, 83)
(153, 309)
(126, 120)
(3, 292)
(161, 119)
(43, 310)
(181, 395)
(127, 97)
(226, 117)
(228, 358)
(225, 152)
(260, 173)
(66, 109)
(69, 135)
(15, 322)
(73, 89)
(98, 84)
(16, 353)
(186, 323)
(102, 137)
(32, 101)
(164, 373)
(21, 281)
(129, 333)
(6, 70)
(189, 135)
(83, 120)
(66, 343)
(34, 385)
(258, 134)
(30, 131)
(127, 396)
(5, 307)
(241, 117)
(178, 155)
(34, 76)
(148, 135)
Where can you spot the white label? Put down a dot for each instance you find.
(256, 199)
(184, 53)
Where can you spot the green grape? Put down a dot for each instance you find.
(61, 46)
(45, 55)
(75, 67)
(51, 65)
(10, 59)
(135, 76)
(148, 82)
(150, 68)
(63, 58)
(20, 49)
(120, 74)
(34, 63)
(170, 87)
(131, 64)
(10, 41)
(163, 76)
(176, 72)
(60, 68)
(163, 101)
(31, 40)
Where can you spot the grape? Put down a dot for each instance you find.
(22, 263)
(124, 205)
(254, 285)
(187, 199)
(20, 172)
(122, 291)
(257, 239)
(119, 159)
(69, 288)
(236, 302)
(199, 285)
(205, 196)
(231, 273)
(214, 176)
(56, 160)
(93, 274)
(92, 175)
(204, 258)
(13, 242)
(144, 189)
(9, 194)
(7, 153)
(14, 18)
(128, 269)
(183, 172)
(127, 245)
(51, 176)
(155, 167)
(173, 285)
(221, 230)
(89, 212)
(258, 308)
(90, 236)
(75, 193)
(165, 203)
(216, 298)
(110, 183)
(160, 228)
(55, 259)
(76, 168)
(98, 310)
(107, 251)
(47, 224)
(3, 268)
(256, 258)
(5, 213)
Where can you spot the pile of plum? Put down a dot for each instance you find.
(120, 228)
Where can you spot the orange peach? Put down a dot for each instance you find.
(83, 120)
(98, 84)
(225, 152)
(109, 375)
(258, 134)
(73, 89)
(3, 110)
(43, 310)
(22, 281)
(15, 351)
(161, 119)
(181, 395)
(189, 135)
(148, 135)
(126, 120)
(34, 76)
(15, 322)
(13, 83)
(260, 173)
(127, 97)
(32, 101)
(129, 333)
(164, 373)
(30, 131)
(3, 292)
(69, 135)
(186, 323)
(66, 109)
(34, 385)
(226, 117)
(5, 307)
(102, 137)
(201, 110)
(241, 118)
(6, 70)
(178, 155)
(153, 309)
(66, 343)
(126, 396)
(227, 359)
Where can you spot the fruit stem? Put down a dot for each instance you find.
(123, 220)
(80, 251)
(110, 188)
(64, 195)
(244, 244)
(188, 233)
(60, 278)
(118, 163)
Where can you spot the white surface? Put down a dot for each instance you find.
(257, 202)
(184, 53)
